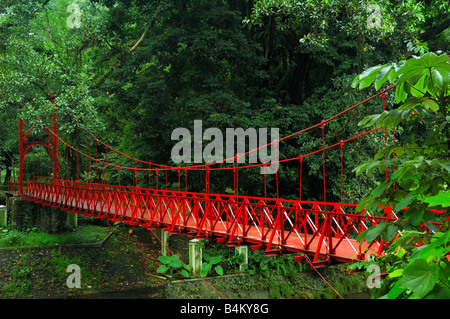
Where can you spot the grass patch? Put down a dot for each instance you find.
(12, 238)
(121, 263)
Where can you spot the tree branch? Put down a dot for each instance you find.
(48, 29)
(122, 58)
(140, 40)
(46, 90)
(433, 32)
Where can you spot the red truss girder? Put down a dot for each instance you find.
(322, 230)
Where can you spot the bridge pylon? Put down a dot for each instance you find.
(25, 145)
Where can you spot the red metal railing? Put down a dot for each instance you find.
(13, 185)
(326, 231)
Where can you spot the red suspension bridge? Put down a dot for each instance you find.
(323, 231)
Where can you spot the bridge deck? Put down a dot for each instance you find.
(249, 232)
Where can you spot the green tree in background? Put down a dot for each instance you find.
(41, 56)
(143, 68)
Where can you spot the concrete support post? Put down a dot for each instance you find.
(195, 255)
(164, 242)
(3, 216)
(243, 251)
(72, 221)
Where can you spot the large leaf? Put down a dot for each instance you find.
(366, 78)
(438, 79)
(383, 75)
(395, 291)
(165, 259)
(429, 59)
(439, 292)
(184, 273)
(405, 201)
(400, 94)
(215, 260)
(206, 267)
(419, 86)
(414, 215)
(419, 277)
(412, 74)
(390, 232)
(162, 269)
(175, 263)
(420, 75)
(219, 270)
(441, 199)
(439, 239)
(375, 231)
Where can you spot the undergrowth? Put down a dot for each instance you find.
(31, 237)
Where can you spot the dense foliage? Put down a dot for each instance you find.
(144, 68)
(132, 71)
(420, 166)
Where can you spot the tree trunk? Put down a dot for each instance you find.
(7, 176)
(298, 78)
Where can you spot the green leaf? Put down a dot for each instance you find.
(361, 236)
(419, 88)
(368, 76)
(445, 165)
(381, 153)
(206, 267)
(175, 263)
(414, 215)
(396, 273)
(400, 94)
(381, 189)
(372, 166)
(390, 232)
(399, 173)
(360, 169)
(439, 292)
(219, 270)
(441, 240)
(430, 104)
(206, 257)
(401, 252)
(444, 71)
(215, 260)
(407, 237)
(355, 81)
(419, 277)
(396, 291)
(165, 259)
(393, 119)
(430, 226)
(441, 199)
(162, 269)
(184, 273)
(410, 74)
(427, 59)
(382, 76)
(362, 204)
(393, 74)
(406, 201)
(375, 231)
